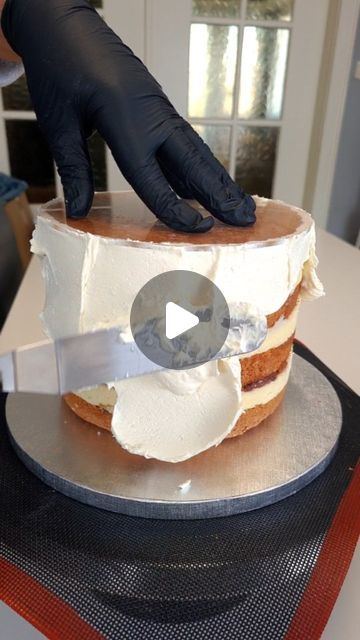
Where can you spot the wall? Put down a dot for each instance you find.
(344, 212)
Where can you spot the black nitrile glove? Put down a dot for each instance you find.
(82, 78)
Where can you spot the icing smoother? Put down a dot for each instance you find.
(91, 282)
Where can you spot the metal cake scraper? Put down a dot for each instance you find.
(87, 360)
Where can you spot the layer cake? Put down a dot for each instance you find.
(93, 269)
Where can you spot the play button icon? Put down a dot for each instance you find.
(180, 319)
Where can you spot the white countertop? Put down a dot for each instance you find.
(330, 327)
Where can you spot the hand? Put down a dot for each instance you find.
(82, 78)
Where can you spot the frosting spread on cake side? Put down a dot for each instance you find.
(91, 282)
(151, 418)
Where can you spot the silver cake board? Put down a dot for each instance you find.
(268, 463)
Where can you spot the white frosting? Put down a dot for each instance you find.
(91, 283)
(154, 421)
(279, 333)
(311, 285)
(102, 396)
(76, 265)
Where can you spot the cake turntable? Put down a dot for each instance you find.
(269, 463)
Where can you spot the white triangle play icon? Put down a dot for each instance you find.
(178, 320)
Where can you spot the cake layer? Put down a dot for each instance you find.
(92, 413)
(287, 308)
(265, 364)
(265, 393)
(261, 402)
(253, 417)
(102, 419)
(257, 403)
(264, 380)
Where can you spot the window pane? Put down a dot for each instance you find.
(270, 9)
(218, 139)
(30, 159)
(255, 159)
(218, 8)
(98, 158)
(16, 96)
(263, 69)
(213, 51)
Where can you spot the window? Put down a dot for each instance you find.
(237, 73)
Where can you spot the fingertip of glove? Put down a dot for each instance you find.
(203, 226)
(242, 215)
(79, 207)
(247, 210)
(186, 219)
(76, 215)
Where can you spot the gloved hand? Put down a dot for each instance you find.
(82, 78)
